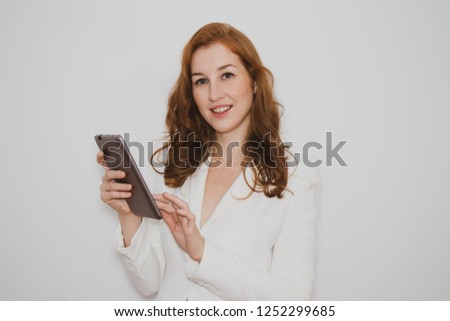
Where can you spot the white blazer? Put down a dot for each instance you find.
(255, 249)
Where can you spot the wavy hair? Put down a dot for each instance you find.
(190, 137)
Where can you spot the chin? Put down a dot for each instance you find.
(221, 128)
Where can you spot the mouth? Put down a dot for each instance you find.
(221, 109)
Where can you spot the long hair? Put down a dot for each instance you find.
(190, 137)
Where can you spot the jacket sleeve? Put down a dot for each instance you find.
(228, 275)
(144, 259)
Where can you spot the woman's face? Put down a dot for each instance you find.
(222, 90)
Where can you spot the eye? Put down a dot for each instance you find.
(201, 81)
(227, 75)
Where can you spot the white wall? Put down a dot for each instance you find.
(375, 73)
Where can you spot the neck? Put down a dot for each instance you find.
(229, 150)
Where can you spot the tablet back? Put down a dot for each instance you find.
(118, 157)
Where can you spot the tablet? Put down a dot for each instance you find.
(118, 157)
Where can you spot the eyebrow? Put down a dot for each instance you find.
(220, 68)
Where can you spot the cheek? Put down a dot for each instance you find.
(201, 100)
(245, 94)
(198, 97)
(242, 89)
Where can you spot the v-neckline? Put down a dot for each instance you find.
(227, 191)
(200, 194)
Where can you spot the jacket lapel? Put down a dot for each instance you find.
(197, 191)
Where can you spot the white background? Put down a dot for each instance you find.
(375, 73)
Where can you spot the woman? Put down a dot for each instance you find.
(238, 223)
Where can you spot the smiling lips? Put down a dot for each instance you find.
(221, 109)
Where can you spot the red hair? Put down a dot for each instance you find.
(190, 136)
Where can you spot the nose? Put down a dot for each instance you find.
(215, 91)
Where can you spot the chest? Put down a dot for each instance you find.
(248, 225)
(217, 184)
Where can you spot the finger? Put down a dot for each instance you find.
(113, 186)
(108, 196)
(101, 160)
(100, 157)
(159, 197)
(112, 175)
(186, 214)
(170, 221)
(177, 201)
(105, 166)
(159, 201)
(165, 207)
(168, 207)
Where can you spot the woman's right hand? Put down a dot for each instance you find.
(113, 193)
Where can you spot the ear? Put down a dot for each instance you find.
(254, 88)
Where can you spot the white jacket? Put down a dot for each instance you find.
(259, 248)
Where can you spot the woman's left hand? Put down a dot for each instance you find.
(181, 223)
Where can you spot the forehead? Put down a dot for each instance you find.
(212, 57)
